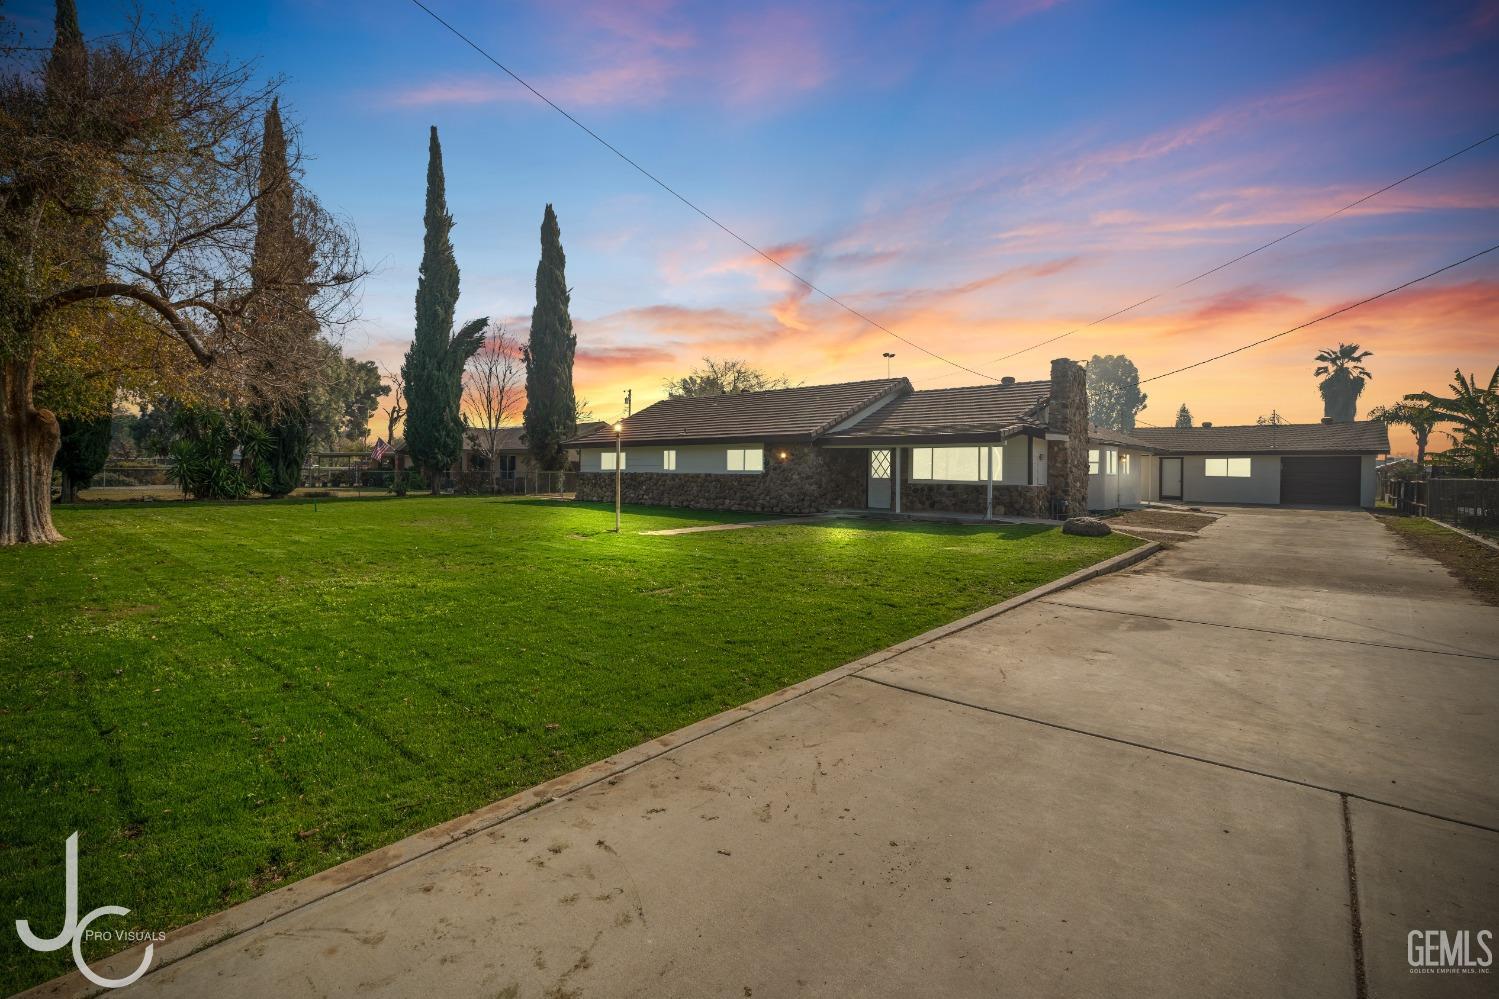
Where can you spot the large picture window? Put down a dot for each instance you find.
(1226, 468)
(606, 460)
(955, 464)
(746, 459)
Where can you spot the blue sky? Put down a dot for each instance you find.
(977, 176)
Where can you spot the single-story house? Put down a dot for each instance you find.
(512, 458)
(1017, 448)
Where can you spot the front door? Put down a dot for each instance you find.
(879, 480)
(1171, 478)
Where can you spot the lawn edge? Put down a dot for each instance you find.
(1494, 545)
(251, 914)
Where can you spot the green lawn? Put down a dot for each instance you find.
(222, 698)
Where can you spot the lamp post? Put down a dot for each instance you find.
(618, 429)
(887, 355)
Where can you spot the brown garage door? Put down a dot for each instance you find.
(1329, 481)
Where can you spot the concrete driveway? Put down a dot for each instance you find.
(1247, 767)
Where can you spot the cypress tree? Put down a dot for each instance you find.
(551, 409)
(433, 370)
(280, 268)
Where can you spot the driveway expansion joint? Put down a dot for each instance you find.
(1250, 771)
(1269, 631)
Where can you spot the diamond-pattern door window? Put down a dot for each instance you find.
(879, 464)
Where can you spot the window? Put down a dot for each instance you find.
(606, 461)
(1124, 463)
(955, 464)
(669, 460)
(1226, 468)
(746, 459)
(1113, 457)
(1093, 461)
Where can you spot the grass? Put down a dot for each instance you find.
(1474, 564)
(222, 698)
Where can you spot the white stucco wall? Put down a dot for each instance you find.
(1103, 488)
(1262, 485)
(690, 458)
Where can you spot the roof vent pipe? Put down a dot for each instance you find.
(1206, 424)
(1326, 419)
(1007, 380)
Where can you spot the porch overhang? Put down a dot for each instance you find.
(932, 438)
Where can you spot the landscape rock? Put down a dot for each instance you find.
(1088, 527)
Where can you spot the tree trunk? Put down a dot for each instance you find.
(1421, 436)
(29, 438)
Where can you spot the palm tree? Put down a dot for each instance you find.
(1345, 379)
(1475, 411)
(1420, 418)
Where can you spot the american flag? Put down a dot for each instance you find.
(379, 451)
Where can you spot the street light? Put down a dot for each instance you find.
(618, 429)
(887, 356)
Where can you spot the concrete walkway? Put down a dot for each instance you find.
(1163, 782)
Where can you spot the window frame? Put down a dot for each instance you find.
(928, 452)
(743, 454)
(1232, 468)
(1095, 461)
(669, 459)
(606, 460)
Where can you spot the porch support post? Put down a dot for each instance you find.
(896, 449)
(989, 467)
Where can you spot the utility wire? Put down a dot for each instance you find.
(1312, 322)
(684, 200)
(1250, 253)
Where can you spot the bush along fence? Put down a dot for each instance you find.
(1464, 502)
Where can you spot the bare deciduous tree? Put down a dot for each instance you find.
(491, 380)
(395, 411)
(129, 178)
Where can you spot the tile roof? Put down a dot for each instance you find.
(972, 410)
(792, 414)
(1334, 438)
(1103, 435)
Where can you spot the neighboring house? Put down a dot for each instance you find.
(512, 458)
(1011, 449)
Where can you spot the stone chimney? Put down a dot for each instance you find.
(1067, 438)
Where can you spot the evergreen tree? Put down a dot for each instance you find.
(433, 370)
(83, 452)
(280, 269)
(551, 408)
(1114, 396)
(1183, 416)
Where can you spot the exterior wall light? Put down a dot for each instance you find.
(782, 455)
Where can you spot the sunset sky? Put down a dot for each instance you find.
(977, 177)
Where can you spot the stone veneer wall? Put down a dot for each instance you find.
(808, 480)
(1067, 413)
(962, 497)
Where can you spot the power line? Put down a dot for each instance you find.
(1329, 315)
(684, 200)
(1250, 253)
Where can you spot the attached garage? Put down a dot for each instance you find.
(1322, 480)
(1300, 464)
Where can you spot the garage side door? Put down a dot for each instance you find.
(1332, 480)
